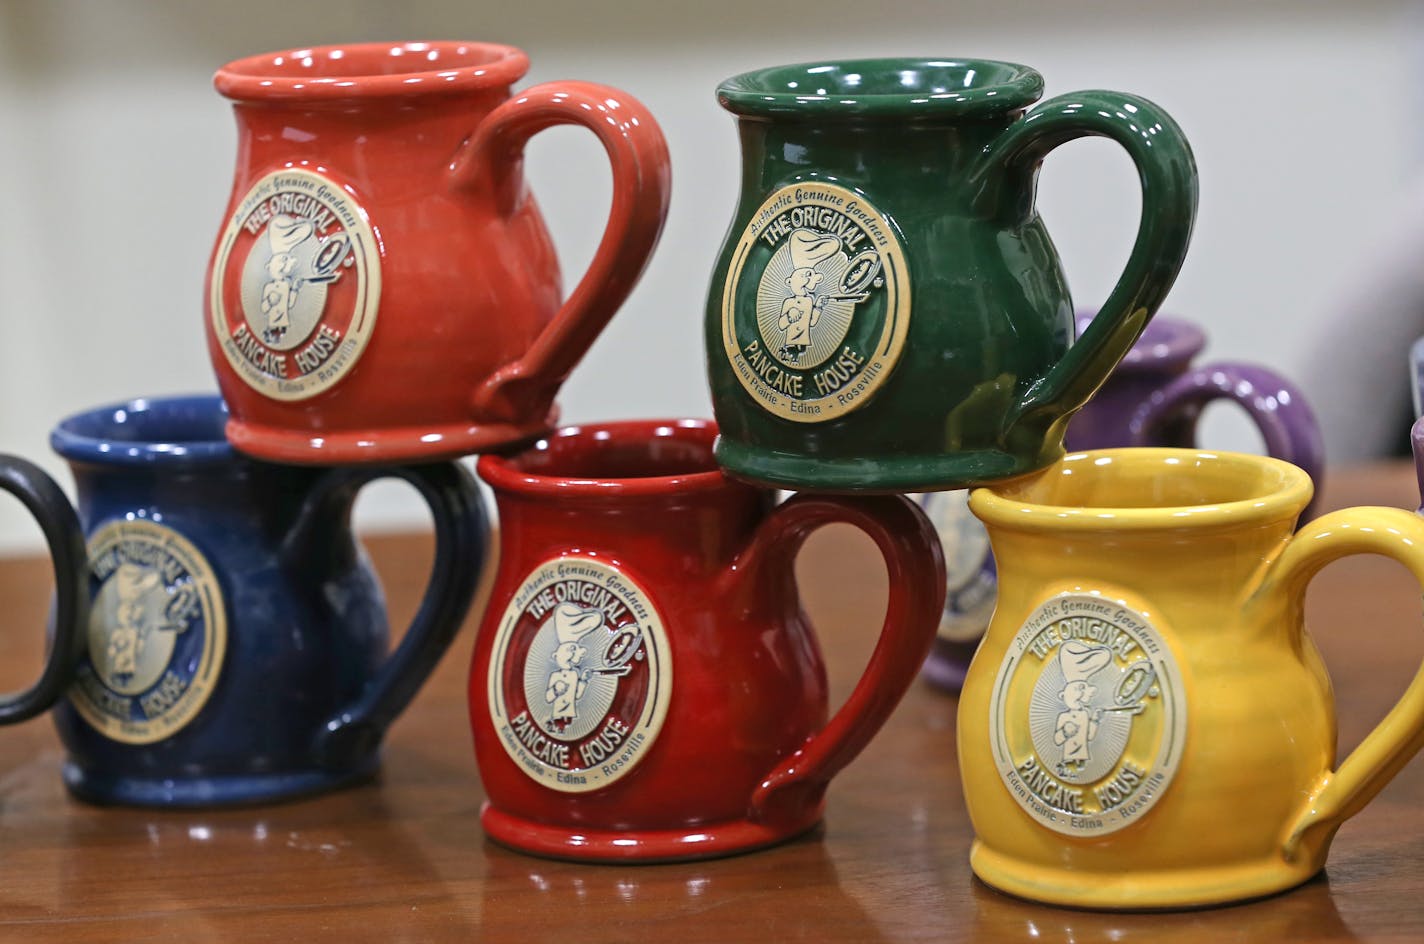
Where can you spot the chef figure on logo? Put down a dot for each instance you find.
(568, 682)
(132, 584)
(279, 295)
(1078, 725)
(802, 310)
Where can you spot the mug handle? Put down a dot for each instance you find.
(492, 162)
(1344, 791)
(60, 525)
(1007, 178)
(763, 573)
(1278, 408)
(461, 539)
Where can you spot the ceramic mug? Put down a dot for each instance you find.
(1153, 398)
(46, 503)
(645, 685)
(382, 184)
(238, 645)
(1147, 723)
(1156, 396)
(887, 312)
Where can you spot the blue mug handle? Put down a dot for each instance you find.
(461, 539)
(56, 518)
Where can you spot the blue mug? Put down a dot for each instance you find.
(50, 509)
(237, 639)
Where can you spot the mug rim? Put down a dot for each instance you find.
(268, 76)
(765, 92)
(71, 442)
(501, 472)
(1286, 499)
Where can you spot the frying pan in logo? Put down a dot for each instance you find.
(333, 252)
(860, 275)
(1136, 684)
(621, 650)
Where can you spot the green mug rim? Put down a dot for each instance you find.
(984, 87)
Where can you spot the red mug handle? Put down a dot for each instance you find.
(492, 163)
(915, 562)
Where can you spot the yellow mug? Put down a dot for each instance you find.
(1146, 723)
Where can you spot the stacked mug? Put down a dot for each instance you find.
(886, 316)
(383, 298)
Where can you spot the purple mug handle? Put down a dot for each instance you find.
(1416, 436)
(1287, 424)
(1416, 432)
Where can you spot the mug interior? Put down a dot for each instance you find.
(1172, 483)
(146, 428)
(371, 68)
(884, 86)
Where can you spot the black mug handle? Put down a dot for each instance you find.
(461, 541)
(56, 518)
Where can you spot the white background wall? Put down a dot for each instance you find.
(116, 158)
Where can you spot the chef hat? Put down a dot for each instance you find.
(284, 232)
(133, 580)
(572, 622)
(1079, 660)
(809, 247)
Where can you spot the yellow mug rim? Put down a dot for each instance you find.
(1285, 497)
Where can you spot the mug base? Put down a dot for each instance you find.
(640, 846)
(382, 446)
(1139, 889)
(198, 792)
(881, 474)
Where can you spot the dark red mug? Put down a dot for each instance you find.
(645, 685)
(384, 288)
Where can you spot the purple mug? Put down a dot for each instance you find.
(1154, 398)
(1416, 434)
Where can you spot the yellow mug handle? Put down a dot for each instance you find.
(1344, 791)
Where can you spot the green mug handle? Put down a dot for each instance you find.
(1008, 173)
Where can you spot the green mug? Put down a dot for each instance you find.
(888, 312)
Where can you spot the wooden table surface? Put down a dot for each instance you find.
(403, 858)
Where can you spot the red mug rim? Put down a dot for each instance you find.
(566, 447)
(366, 70)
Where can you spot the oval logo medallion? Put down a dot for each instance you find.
(1087, 719)
(296, 281)
(580, 675)
(816, 306)
(157, 633)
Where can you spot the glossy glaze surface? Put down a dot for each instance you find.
(444, 331)
(942, 157)
(744, 751)
(291, 640)
(1244, 799)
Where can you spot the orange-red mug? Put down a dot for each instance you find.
(384, 287)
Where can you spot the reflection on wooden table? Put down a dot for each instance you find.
(403, 858)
